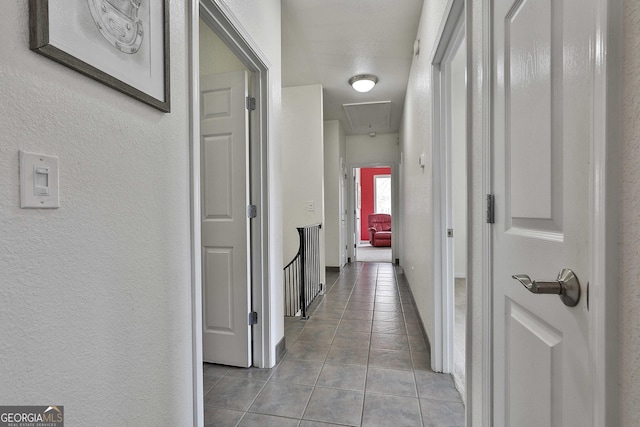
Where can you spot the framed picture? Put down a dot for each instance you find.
(121, 43)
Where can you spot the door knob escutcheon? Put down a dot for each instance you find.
(566, 286)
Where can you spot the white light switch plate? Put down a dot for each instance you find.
(38, 181)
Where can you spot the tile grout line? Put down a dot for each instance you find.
(366, 370)
(330, 345)
(366, 367)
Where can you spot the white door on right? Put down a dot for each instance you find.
(543, 89)
(343, 214)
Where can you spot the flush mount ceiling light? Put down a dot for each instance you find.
(363, 82)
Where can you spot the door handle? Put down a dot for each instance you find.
(566, 286)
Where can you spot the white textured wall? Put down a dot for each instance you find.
(363, 150)
(629, 331)
(260, 20)
(215, 56)
(302, 165)
(95, 297)
(334, 144)
(415, 139)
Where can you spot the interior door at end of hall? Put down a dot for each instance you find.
(542, 128)
(356, 212)
(225, 225)
(344, 250)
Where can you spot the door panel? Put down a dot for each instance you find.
(528, 95)
(534, 352)
(225, 226)
(218, 275)
(218, 181)
(542, 359)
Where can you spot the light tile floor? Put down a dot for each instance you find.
(360, 360)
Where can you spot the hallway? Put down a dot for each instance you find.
(368, 253)
(360, 360)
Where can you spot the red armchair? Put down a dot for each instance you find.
(380, 229)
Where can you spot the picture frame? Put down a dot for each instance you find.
(123, 44)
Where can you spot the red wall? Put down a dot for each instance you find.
(366, 202)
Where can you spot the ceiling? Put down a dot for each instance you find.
(328, 41)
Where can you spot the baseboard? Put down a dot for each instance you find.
(420, 321)
(424, 332)
(333, 269)
(281, 349)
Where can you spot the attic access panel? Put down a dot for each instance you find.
(369, 116)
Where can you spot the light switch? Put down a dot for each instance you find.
(41, 181)
(38, 181)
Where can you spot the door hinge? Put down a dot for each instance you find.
(491, 209)
(449, 232)
(253, 318)
(251, 103)
(252, 211)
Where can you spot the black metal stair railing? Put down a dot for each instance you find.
(302, 275)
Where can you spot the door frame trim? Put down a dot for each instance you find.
(230, 30)
(450, 36)
(395, 207)
(223, 22)
(603, 224)
(487, 229)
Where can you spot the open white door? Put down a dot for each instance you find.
(225, 225)
(356, 212)
(543, 97)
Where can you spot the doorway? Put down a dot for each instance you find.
(450, 197)
(458, 211)
(225, 150)
(373, 195)
(227, 50)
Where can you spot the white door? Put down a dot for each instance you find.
(356, 212)
(542, 133)
(225, 225)
(343, 214)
